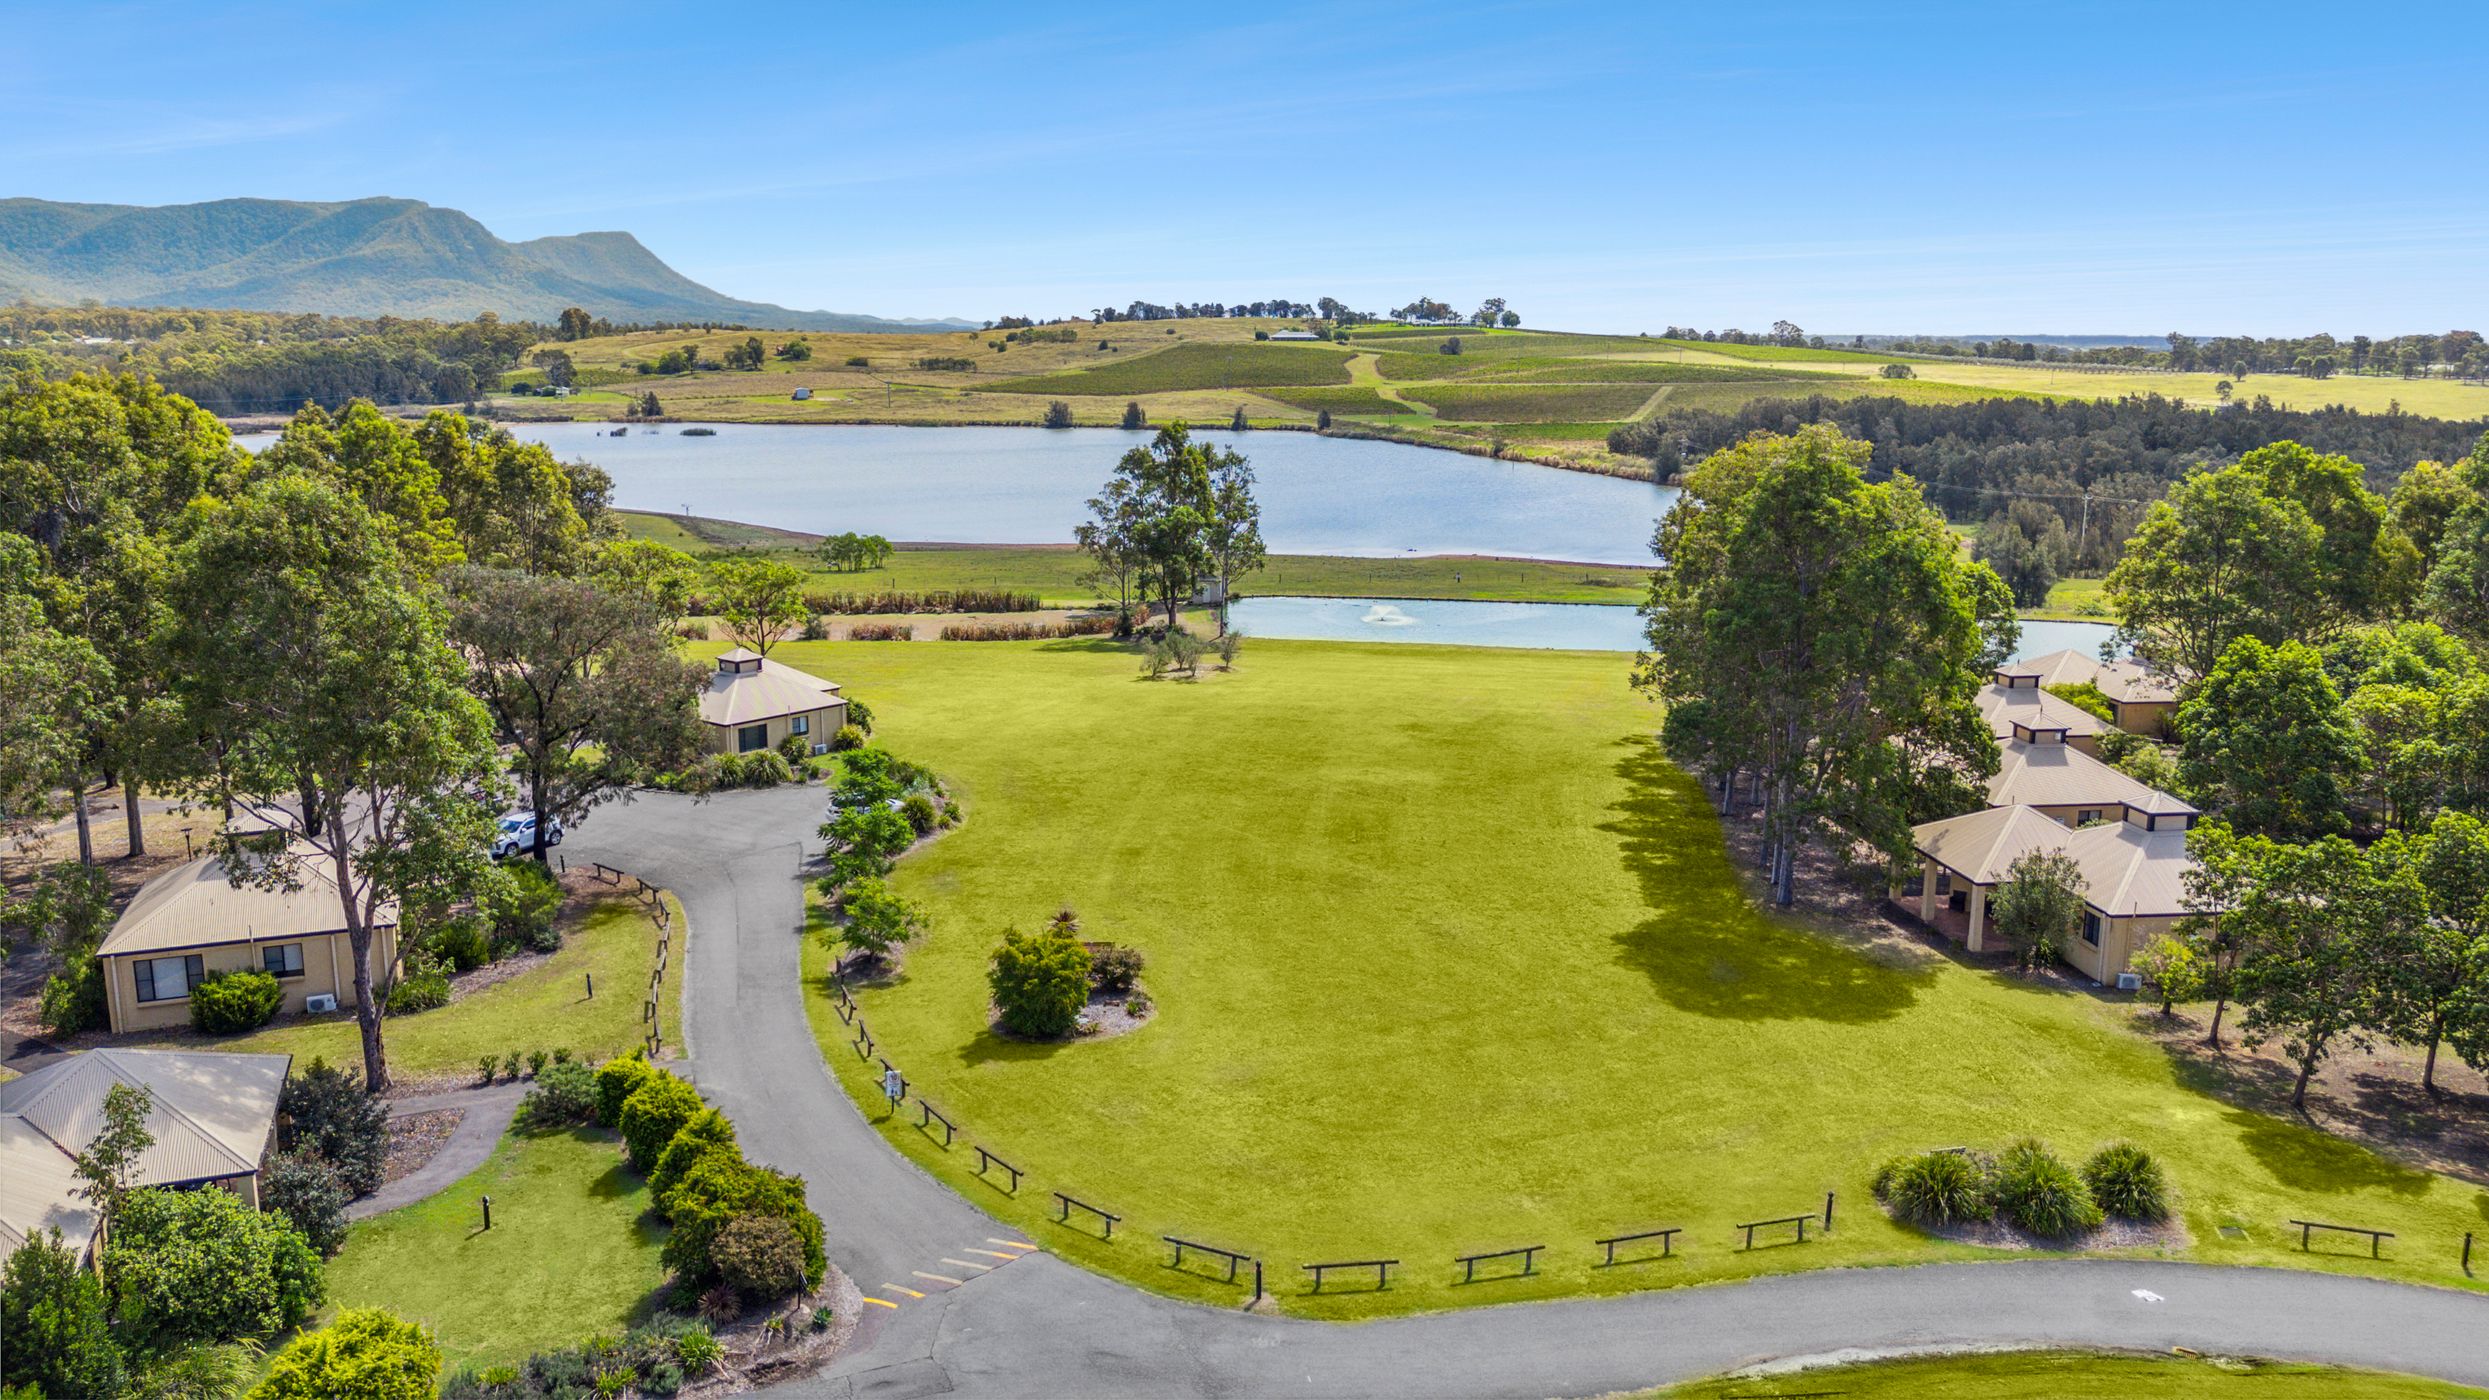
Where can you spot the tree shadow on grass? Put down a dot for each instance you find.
(992, 1046)
(2308, 1159)
(1704, 949)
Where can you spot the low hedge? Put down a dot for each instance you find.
(658, 1109)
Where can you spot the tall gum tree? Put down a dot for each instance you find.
(1824, 636)
(326, 707)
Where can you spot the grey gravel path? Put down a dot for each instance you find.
(488, 1109)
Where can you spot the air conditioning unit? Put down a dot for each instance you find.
(819, 749)
(324, 1001)
(2130, 981)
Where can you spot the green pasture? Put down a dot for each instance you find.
(1448, 957)
(1195, 365)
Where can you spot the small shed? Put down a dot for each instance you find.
(801, 394)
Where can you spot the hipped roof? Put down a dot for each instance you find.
(774, 690)
(197, 905)
(2127, 872)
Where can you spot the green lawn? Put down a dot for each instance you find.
(2067, 1375)
(1449, 957)
(572, 1251)
(2080, 598)
(544, 1008)
(1054, 573)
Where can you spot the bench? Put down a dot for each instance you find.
(1469, 1262)
(1381, 1267)
(1233, 1258)
(1667, 1243)
(1801, 1221)
(927, 1116)
(2376, 1238)
(1065, 1217)
(987, 1159)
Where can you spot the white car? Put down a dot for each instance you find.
(516, 836)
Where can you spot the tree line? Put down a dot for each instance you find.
(2319, 356)
(356, 638)
(2072, 478)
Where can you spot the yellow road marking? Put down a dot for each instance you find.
(940, 1278)
(969, 1264)
(883, 1301)
(1010, 1244)
(908, 1291)
(990, 1253)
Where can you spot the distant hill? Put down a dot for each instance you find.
(362, 257)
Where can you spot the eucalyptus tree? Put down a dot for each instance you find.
(583, 685)
(758, 599)
(1157, 516)
(324, 704)
(2321, 920)
(1824, 635)
(2432, 986)
(2265, 742)
(1232, 531)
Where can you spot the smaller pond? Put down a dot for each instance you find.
(1545, 626)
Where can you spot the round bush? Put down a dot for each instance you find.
(306, 1191)
(524, 907)
(1115, 968)
(323, 1111)
(563, 1095)
(203, 1266)
(717, 1189)
(425, 987)
(1937, 1188)
(654, 1113)
(1040, 982)
(847, 739)
(2040, 1194)
(366, 1354)
(706, 1134)
(461, 943)
(2125, 1182)
(229, 1003)
(615, 1083)
(759, 1257)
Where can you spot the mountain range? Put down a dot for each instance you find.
(360, 257)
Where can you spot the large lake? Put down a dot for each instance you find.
(1320, 495)
(1563, 626)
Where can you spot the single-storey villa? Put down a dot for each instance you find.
(2013, 702)
(193, 920)
(2141, 701)
(2133, 877)
(213, 1118)
(2039, 769)
(755, 703)
(1294, 335)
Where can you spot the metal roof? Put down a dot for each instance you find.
(2126, 682)
(2054, 775)
(2126, 871)
(210, 1115)
(198, 905)
(2034, 708)
(751, 696)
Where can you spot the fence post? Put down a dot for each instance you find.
(1827, 1210)
(1257, 1278)
(2467, 1254)
(591, 986)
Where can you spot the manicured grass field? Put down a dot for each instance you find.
(2063, 1375)
(572, 1252)
(1196, 365)
(544, 1008)
(1055, 574)
(1448, 957)
(2083, 598)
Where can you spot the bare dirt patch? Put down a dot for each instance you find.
(415, 1138)
(780, 1344)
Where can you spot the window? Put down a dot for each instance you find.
(2091, 928)
(284, 960)
(751, 737)
(168, 979)
(801, 725)
(2087, 816)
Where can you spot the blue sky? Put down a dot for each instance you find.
(1984, 168)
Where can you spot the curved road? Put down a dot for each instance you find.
(1041, 1327)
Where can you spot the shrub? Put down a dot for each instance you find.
(1936, 1189)
(616, 1082)
(1058, 414)
(231, 1002)
(366, 1354)
(1184, 650)
(1133, 417)
(52, 1313)
(877, 632)
(2125, 1182)
(305, 1190)
(859, 362)
(876, 919)
(654, 1113)
(203, 1266)
(2040, 1194)
(322, 1110)
(847, 739)
(460, 943)
(1154, 660)
(709, 1134)
(1322, 420)
(698, 1351)
(759, 1257)
(795, 749)
(563, 1095)
(1040, 982)
(510, 1065)
(485, 1066)
(1138, 1004)
(721, 1304)
(73, 998)
(1114, 968)
(761, 768)
(525, 906)
(425, 987)
(920, 813)
(1229, 644)
(719, 1189)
